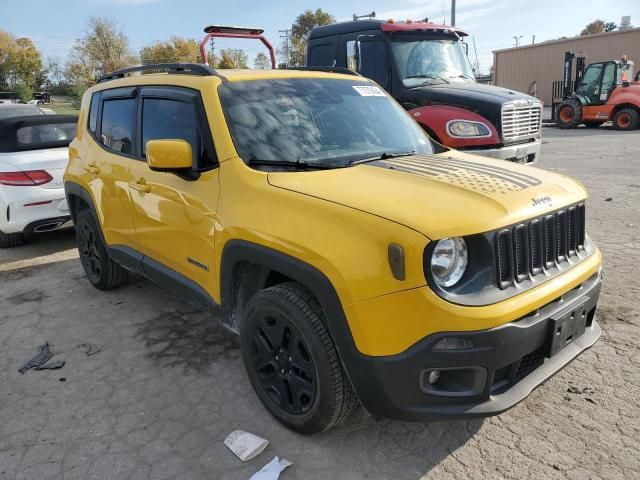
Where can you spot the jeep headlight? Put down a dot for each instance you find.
(467, 128)
(449, 261)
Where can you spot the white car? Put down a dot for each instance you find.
(33, 156)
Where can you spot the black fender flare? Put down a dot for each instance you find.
(238, 251)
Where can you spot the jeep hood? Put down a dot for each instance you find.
(442, 195)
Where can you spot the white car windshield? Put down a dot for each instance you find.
(333, 122)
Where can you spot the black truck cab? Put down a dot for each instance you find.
(424, 66)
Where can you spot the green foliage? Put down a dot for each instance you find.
(300, 33)
(77, 91)
(24, 91)
(103, 49)
(20, 62)
(175, 50)
(262, 61)
(233, 58)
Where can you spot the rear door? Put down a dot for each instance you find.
(107, 162)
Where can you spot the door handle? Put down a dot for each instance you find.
(141, 186)
(92, 168)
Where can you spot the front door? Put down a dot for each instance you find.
(174, 213)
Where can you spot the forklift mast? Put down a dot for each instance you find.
(570, 85)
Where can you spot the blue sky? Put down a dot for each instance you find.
(54, 25)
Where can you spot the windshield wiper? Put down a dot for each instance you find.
(383, 156)
(464, 75)
(292, 164)
(430, 77)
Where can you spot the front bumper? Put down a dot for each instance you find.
(504, 366)
(527, 153)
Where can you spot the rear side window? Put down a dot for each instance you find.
(41, 136)
(321, 55)
(164, 118)
(118, 120)
(93, 112)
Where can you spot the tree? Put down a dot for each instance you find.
(233, 58)
(175, 50)
(102, 49)
(300, 33)
(20, 61)
(598, 26)
(262, 61)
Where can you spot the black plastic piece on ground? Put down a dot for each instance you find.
(51, 366)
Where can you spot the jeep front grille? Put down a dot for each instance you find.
(528, 249)
(521, 120)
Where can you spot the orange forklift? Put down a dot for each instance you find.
(604, 91)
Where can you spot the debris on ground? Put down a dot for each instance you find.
(39, 362)
(245, 445)
(608, 199)
(51, 366)
(90, 349)
(43, 356)
(271, 471)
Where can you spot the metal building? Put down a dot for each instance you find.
(518, 68)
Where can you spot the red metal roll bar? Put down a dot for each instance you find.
(234, 32)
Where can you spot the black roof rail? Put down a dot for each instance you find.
(343, 70)
(181, 68)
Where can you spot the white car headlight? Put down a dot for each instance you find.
(449, 261)
(467, 128)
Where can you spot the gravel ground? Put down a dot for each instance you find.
(151, 387)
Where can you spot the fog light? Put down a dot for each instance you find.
(434, 376)
(453, 343)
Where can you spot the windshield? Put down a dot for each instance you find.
(431, 61)
(331, 122)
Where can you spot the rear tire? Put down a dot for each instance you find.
(569, 113)
(292, 362)
(626, 119)
(10, 240)
(101, 270)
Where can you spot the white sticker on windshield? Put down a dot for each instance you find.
(369, 91)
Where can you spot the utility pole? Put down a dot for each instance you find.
(212, 52)
(453, 13)
(285, 35)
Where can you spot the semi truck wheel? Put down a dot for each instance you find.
(626, 119)
(569, 113)
(292, 362)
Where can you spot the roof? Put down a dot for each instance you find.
(568, 39)
(386, 26)
(10, 126)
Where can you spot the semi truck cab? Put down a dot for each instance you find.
(425, 67)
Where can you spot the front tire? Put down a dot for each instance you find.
(101, 270)
(626, 119)
(569, 113)
(292, 362)
(10, 240)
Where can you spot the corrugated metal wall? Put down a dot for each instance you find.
(517, 68)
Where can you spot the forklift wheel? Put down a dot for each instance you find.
(626, 119)
(569, 113)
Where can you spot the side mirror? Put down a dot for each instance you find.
(170, 154)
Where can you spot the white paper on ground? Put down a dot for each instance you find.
(271, 471)
(245, 445)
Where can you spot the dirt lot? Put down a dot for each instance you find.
(168, 384)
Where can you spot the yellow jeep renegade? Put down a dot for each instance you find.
(359, 261)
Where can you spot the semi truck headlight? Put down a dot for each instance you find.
(449, 261)
(466, 128)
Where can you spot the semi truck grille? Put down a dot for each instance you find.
(521, 120)
(528, 249)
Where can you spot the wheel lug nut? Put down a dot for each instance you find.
(282, 370)
(289, 358)
(276, 357)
